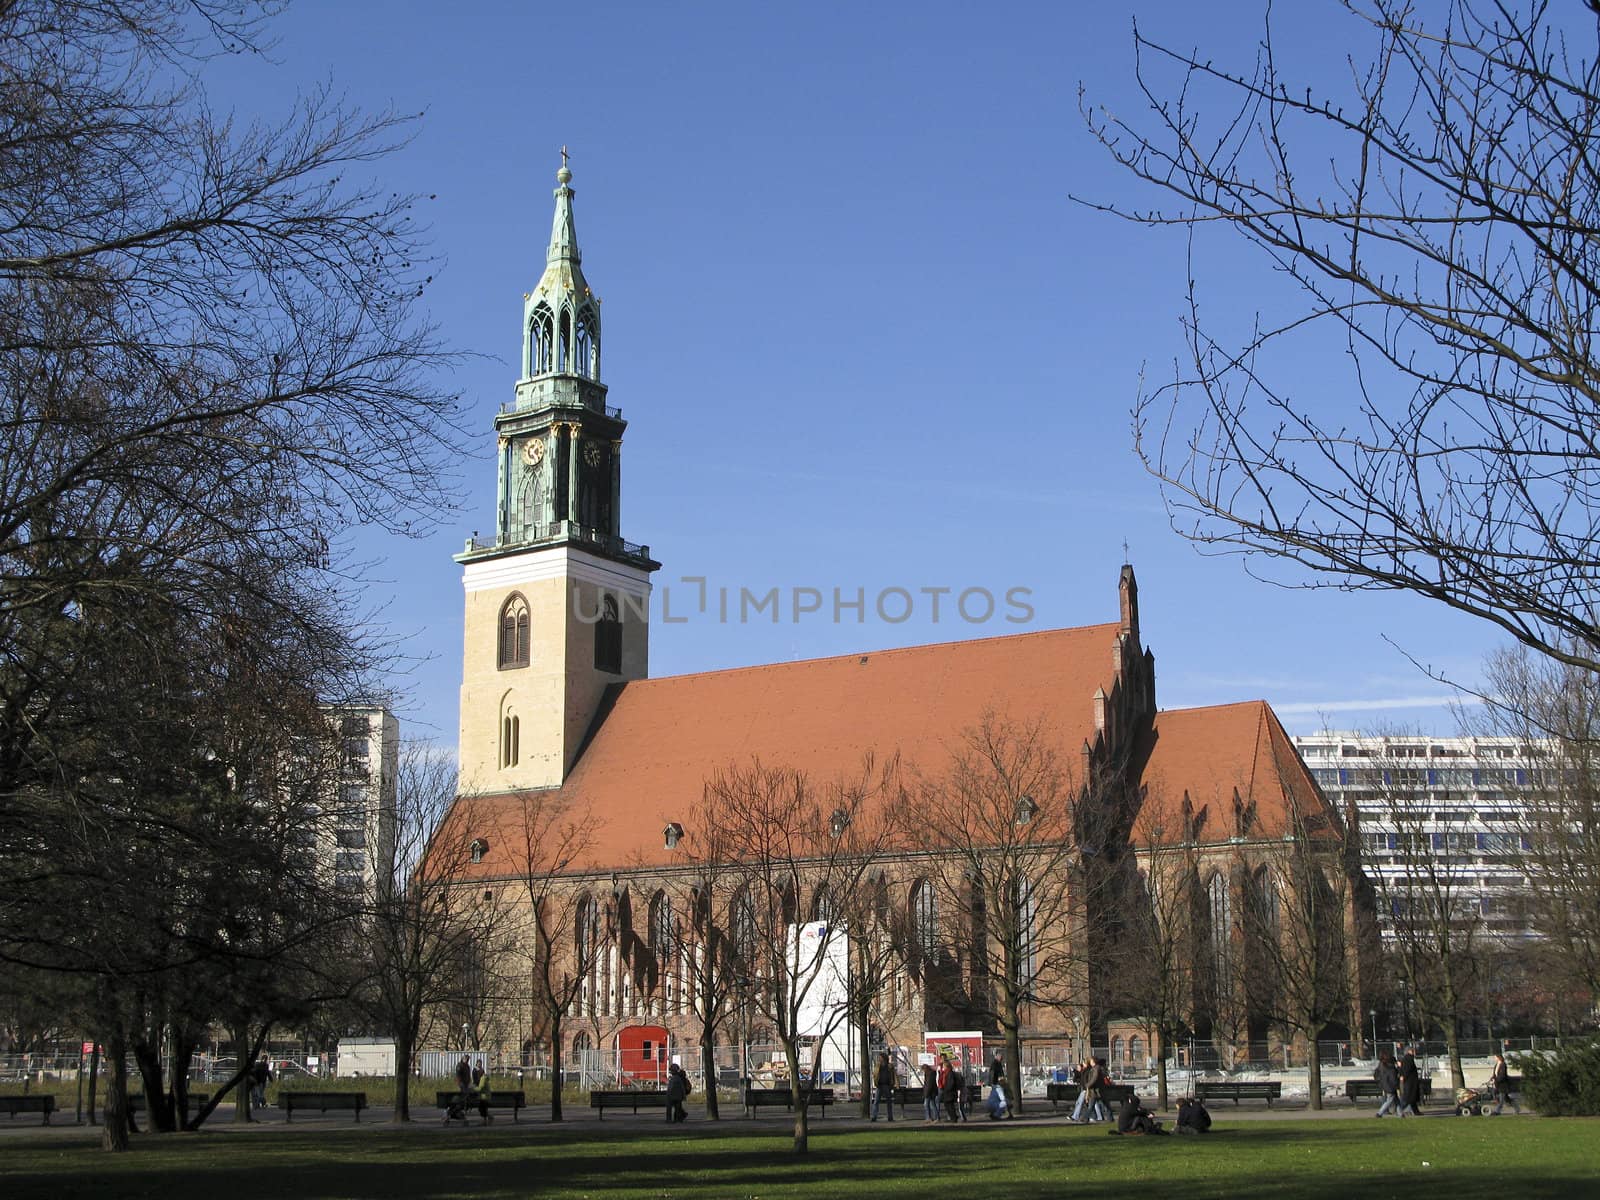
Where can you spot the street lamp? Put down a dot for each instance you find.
(1373, 1013)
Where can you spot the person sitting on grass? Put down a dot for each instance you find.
(1192, 1116)
(1136, 1119)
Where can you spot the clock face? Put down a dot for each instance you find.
(591, 454)
(532, 452)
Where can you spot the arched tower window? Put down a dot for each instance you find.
(564, 342)
(588, 352)
(583, 359)
(513, 632)
(510, 739)
(608, 638)
(539, 339)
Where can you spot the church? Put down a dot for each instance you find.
(558, 709)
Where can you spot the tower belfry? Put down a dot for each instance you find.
(557, 600)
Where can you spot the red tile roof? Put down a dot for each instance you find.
(1211, 755)
(647, 762)
(648, 759)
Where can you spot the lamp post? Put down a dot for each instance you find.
(1373, 1013)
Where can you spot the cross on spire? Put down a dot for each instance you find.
(563, 156)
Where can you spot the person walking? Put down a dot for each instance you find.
(1388, 1084)
(1097, 1099)
(1084, 1084)
(883, 1085)
(260, 1076)
(930, 1095)
(998, 1108)
(958, 1092)
(947, 1088)
(1501, 1080)
(1410, 1086)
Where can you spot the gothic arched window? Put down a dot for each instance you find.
(587, 359)
(510, 739)
(513, 632)
(745, 930)
(1220, 905)
(539, 329)
(1024, 914)
(661, 929)
(924, 919)
(564, 342)
(608, 638)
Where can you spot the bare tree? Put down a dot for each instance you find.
(788, 838)
(1438, 938)
(1434, 224)
(696, 941)
(1295, 920)
(1018, 850)
(563, 928)
(425, 924)
(1157, 965)
(1554, 710)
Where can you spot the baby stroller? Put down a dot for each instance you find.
(1473, 1102)
(456, 1110)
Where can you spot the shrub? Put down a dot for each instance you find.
(1563, 1084)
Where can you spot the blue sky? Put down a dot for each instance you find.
(863, 337)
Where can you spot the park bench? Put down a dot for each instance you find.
(515, 1101)
(755, 1098)
(911, 1097)
(1238, 1089)
(320, 1101)
(636, 1099)
(42, 1102)
(1363, 1089)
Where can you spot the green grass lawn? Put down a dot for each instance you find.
(1530, 1158)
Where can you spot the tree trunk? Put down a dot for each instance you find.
(1314, 1075)
(556, 1071)
(708, 1063)
(1014, 1067)
(157, 1104)
(114, 1136)
(1452, 1042)
(864, 1049)
(402, 1079)
(1163, 1098)
(183, 1043)
(241, 1103)
(802, 1123)
(94, 1082)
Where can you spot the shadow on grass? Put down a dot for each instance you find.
(1541, 1160)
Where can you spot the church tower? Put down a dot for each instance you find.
(557, 603)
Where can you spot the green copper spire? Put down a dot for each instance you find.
(561, 316)
(563, 234)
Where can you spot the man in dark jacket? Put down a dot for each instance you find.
(1410, 1086)
(677, 1093)
(1136, 1118)
(883, 1085)
(1388, 1080)
(1192, 1116)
